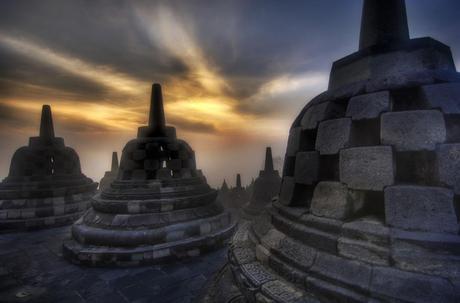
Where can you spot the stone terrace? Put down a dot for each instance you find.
(32, 270)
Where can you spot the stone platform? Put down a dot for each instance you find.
(32, 269)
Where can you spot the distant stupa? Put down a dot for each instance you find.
(45, 186)
(368, 209)
(265, 187)
(111, 175)
(159, 207)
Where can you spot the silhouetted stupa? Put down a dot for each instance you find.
(238, 196)
(265, 187)
(45, 186)
(111, 175)
(368, 207)
(158, 208)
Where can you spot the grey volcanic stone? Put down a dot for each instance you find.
(369, 106)
(293, 145)
(444, 96)
(315, 114)
(420, 208)
(334, 200)
(287, 190)
(394, 285)
(413, 130)
(306, 167)
(367, 168)
(333, 135)
(448, 160)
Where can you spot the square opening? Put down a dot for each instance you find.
(408, 99)
(365, 132)
(453, 128)
(329, 167)
(308, 140)
(289, 166)
(302, 195)
(416, 168)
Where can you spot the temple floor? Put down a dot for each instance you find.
(32, 269)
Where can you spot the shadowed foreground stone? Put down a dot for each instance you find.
(266, 187)
(368, 207)
(110, 175)
(159, 207)
(45, 186)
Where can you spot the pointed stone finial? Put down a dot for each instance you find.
(238, 181)
(157, 120)
(224, 186)
(383, 22)
(268, 160)
(114, 162)
(46, 123)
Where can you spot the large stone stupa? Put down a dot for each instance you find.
(45, 186)
(110, 175)
(369, 203)
(265, 188)
(159, 207)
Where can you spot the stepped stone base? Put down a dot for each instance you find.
(291, 256)
(38, 213)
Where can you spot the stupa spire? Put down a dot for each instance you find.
(46, 123)
(383, 22)
(268, 159)
(114, 162)
(238, 181)
(157, 121)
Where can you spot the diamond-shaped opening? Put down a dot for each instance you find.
(329, 167)
(308, 140)
(302, 195)
(453, 128)
(408, 99)
(417, 167)
(365, 132)
(289, 166)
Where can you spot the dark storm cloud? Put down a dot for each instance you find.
(248, 42)
(192, 126)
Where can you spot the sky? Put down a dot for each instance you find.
(235, 73)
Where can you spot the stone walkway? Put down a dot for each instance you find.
(32, 270)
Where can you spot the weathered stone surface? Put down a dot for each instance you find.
(448, 160)
(393, 284)
(293, 145)
(367, 168)
(420, 208)
(256, 273)
(369, 106)
(444, 96)
(413, 130)
(334, 200)
(315, 114)
(287, 190)
(333, 135)
(306, 167)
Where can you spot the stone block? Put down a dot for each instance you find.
(396, 285)
(293, 145)
(333, 135)
(343, 270)
(256, 273)
(150, 164)
(367, 168)
(448, 163)
(306, 167)
(299, 253)
(334, 200)
(139, 174)
(319, 112)
(369, 106)
(174, 164)
(287, 190)
(139, 155)
(445, 96)
(413, 130)
(420, 208)
(164, 173)
(283, 292)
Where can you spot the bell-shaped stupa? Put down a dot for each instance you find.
(368, 209)
(110, 175)
(159, 208)
(45, 186)
(264, 189)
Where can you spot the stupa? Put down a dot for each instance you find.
(110, 175)
(265, 188)
(159, 208)
(238, 195)
(369, 203)
(45, 186)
